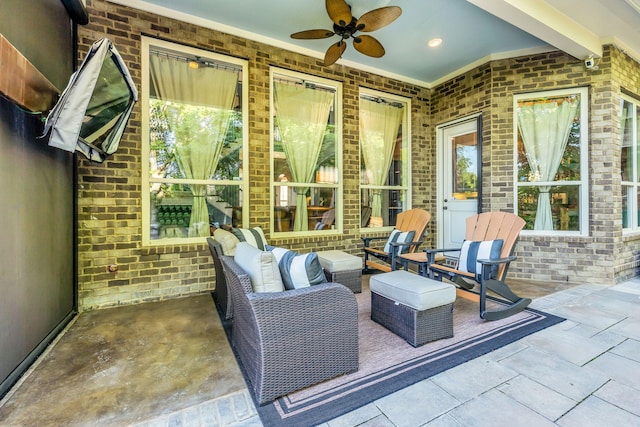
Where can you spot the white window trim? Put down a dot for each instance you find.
(407, 154)
(147, 42)
(632, 204)
(584, 160)
(339, 199)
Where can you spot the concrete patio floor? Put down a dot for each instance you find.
(582, 372)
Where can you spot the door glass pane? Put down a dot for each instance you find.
(465, 166)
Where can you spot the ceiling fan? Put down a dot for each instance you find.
(346, 26)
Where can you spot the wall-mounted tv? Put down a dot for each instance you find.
(94, 108)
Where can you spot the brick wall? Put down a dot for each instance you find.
(625, 74)
(109, 205)
(603, 257)
(109, 195)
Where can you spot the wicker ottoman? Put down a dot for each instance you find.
(341, 267)
(414, 307)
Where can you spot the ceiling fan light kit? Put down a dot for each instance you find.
(345, 25)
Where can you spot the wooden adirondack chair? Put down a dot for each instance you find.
(485, 227)
(415, 220)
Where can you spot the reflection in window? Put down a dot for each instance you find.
(551, 166)
(630, 164)
(465, 167)
(384, 154)
(305, 152)
(195, 141)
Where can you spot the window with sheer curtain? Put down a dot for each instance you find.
(193, 142)
(384, 158)
(306, 140)
(551, 171)
(630, 161)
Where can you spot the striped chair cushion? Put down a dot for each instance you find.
(398, 236)
(472, 251)
(298, 270)
(253, 236)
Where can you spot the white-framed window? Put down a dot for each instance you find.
(306, 153)
(551, 161)
(630, 161)
(385, 158)
(194, 142)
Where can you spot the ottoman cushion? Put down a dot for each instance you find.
(333, 261)
(412, 290)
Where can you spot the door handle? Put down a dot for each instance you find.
(444, 208)
(446, 200)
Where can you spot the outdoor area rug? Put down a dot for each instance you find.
(388, 363)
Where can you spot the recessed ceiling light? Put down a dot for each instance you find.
(435, 42)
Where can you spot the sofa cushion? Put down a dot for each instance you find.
(337, 261)
(228, 241)
(254, 236)
(298, 270)
(398, 236)
(412, 290)
(472, 251)
(261, 266)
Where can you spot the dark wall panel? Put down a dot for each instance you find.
(37, 194)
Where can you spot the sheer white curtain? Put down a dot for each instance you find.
(302, 115)
(379, 123)
(545, 126)
(199, 109)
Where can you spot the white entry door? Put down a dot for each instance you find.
(458, 179)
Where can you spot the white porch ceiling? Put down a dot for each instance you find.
(473, 31)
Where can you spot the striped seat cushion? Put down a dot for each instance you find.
(398, 236)
(472, 251)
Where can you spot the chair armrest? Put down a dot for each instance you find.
(431, 253)
(396, 248)
(260, 299)
(496, 261)
(278, 312)
(489, 266)
(435, 251)
(367, 240)
(398, 244)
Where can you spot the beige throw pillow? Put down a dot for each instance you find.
(227, 240)
(261, 266)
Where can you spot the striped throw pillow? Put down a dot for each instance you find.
(298, 270)
(398, 236)
(253, 236)
(472, 251)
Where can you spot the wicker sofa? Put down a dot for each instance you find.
(292, 339)
(220, 294)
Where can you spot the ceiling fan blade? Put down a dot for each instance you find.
(334, 52)
(312, 34)
(339, 12)
(378, 18)
(368, 46)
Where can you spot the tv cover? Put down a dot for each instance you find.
(94, 108)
